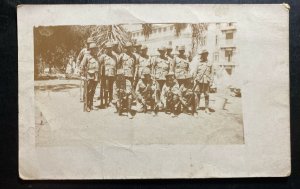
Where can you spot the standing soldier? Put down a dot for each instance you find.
(80, 56)
(170, 95)
(188, 96)
(115, 49)
(181, 65)
(122, 94)
(203, 76)
(147, 91)
(161, 66)
(127, 62)
(169, 52)
(108, 63)
(90, 70)
(137, 50)
(143, 61)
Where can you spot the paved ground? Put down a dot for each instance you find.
(60, 120)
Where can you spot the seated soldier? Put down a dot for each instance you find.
(170, 95)
(188, 97)
(122, 94)
(147, 91)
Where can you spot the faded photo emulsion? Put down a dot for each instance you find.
(176, 83)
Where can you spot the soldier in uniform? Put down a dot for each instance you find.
(127, 62)
(181, 65)
(80, 56)
(115, 50)
(203, 76)
(170, 95)
(161, 66)
(122, 94)
(147, 92)
(90, 70)
(169, 52)
(143, 61)
(188, 96)
(137, 50)
(108, 63)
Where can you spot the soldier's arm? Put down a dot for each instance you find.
(83, 64)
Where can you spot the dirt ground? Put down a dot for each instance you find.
(60, 121)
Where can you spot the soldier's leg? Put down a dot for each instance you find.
(88, 96)
(106, 91)
(201, 91)
(206, 96)
(93, 90)
(129, 102)
(110, 88)
(102, 90)
(176, 105)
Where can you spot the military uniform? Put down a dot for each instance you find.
(128, 62)
(108, 65)
(147, 92)
(79, 58)
(181, 68)
(122, 94)
(143, 63)
(160, 67)
(170, 96)
(203, 77)
(90, 70)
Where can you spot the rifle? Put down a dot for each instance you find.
(85, 91)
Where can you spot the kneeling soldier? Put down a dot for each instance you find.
(122, 94)
(170, 95)
(188, 97)
(147, 91)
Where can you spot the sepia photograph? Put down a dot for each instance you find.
(153, 91)
(175, 83)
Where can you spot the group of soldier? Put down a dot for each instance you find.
(153, 83)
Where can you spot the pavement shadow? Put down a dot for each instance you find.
(56, 88)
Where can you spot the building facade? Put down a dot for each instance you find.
(220, 40)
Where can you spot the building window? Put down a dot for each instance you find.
(138, 33)
(228, 55)
(216, 40)
(204, 41)
(229, 24)
(154, 30)
(165, 29)
(159, 30)
(216, 56)
(229, 35)
(171, 28)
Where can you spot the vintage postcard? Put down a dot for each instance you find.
(153, 91)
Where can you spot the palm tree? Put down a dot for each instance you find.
(147, 30)
(110, 33)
